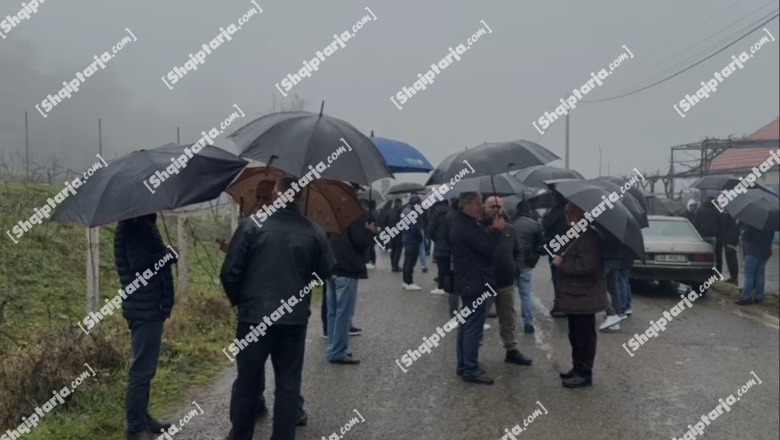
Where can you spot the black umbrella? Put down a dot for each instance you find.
(490, 159)
(627, 199)
(617, 220)
(500, 185)
(123, 189)
(536, 175)
(298, 141)
(755, 208)
(534, 196)
(634, 190)
(405, 188)
(725, 181)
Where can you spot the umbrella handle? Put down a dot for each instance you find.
(168, 236)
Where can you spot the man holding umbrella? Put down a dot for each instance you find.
(412, 239)
(263, 267)
(138, 247)
(391, 218)
(554, 224)
(757, 247)
(582, 294)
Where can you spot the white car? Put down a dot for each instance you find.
(674, 251)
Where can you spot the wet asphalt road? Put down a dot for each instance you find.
(705, 354)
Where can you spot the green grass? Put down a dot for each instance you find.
(42, 298)
(731, 291)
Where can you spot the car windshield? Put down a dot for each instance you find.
(670, 229)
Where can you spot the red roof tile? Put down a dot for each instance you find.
(746, 158)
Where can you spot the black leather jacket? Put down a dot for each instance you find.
(472, 247)
(138, 247)
(531, 236)
(264, 266)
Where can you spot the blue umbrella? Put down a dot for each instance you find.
(401, 157)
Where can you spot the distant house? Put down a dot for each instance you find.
(740, 161)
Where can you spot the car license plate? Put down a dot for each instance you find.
(671, 258)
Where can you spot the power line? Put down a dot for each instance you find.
(685, 69)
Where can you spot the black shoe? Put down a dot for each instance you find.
(528, 328)
(262, 412)
(480, 379)
(557, 314)
(425, 269)
(346, 361)
(395, 269)
(743, 302)
(146, 434)
(158, 425)
(567, 375)
(354, 331)
(492, 314)
(515, 357)
(757, 301)
(577, 381)
(303, 418)
(460, 373)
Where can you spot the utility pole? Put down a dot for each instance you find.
(178, 141)
(26, 149)
(565, 96)
(100, 137)
(599, 160)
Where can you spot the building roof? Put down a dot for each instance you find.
(734, 159)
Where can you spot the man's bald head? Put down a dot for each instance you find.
(493, 206)
(285, 185)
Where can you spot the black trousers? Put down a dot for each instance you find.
(582, 336)
(732, 262)
(285, 344)
(396, 245)
(146, 337)
(719, 254)
(324, 310)
(443, 270)
(370, 256)
(411, 254)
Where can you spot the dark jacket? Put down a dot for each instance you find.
(708, 220)
(413, 235)
(438, 232)
(349, 248)
(756, 242)
(472, 247)
(507, 258)
(264, 266)
(531, 237)
(554, 223)
(730, 230)
(581, 284)
(392, 217)
(138, 247)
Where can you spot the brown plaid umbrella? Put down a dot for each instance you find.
(332, 204)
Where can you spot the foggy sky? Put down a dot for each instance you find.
(535, 53)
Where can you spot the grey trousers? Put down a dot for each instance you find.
(507, 315)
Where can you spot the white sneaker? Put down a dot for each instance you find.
(615, 327)
(370, 266)
(486, 327)
(438, 292)
(412, 287)
(403, 286)
(610, 321)
(628, 312)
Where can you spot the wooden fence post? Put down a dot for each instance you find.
(93, 269)
(183, 281)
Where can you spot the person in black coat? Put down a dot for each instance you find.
(144, 267)
(730, 239)
(441, 244)
(709, 222)
(554, 223)
(472, 247)
(268, 274)
(390, 219)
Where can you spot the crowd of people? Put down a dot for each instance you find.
(475, 245)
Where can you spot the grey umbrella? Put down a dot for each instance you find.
(756, 208)
(500, 185)
(627, 199)
(299, 141)
(725, 181)
(536, 175)
(490, 159)
(405, 188)
(132, 185)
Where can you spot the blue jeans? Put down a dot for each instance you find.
(526, 297)
(625, 289)
(341, 294)
(469, 336)
(754, 277)
(423, 255)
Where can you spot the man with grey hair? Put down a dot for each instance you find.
(507, 262)
(472, 247)
(264, 267)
